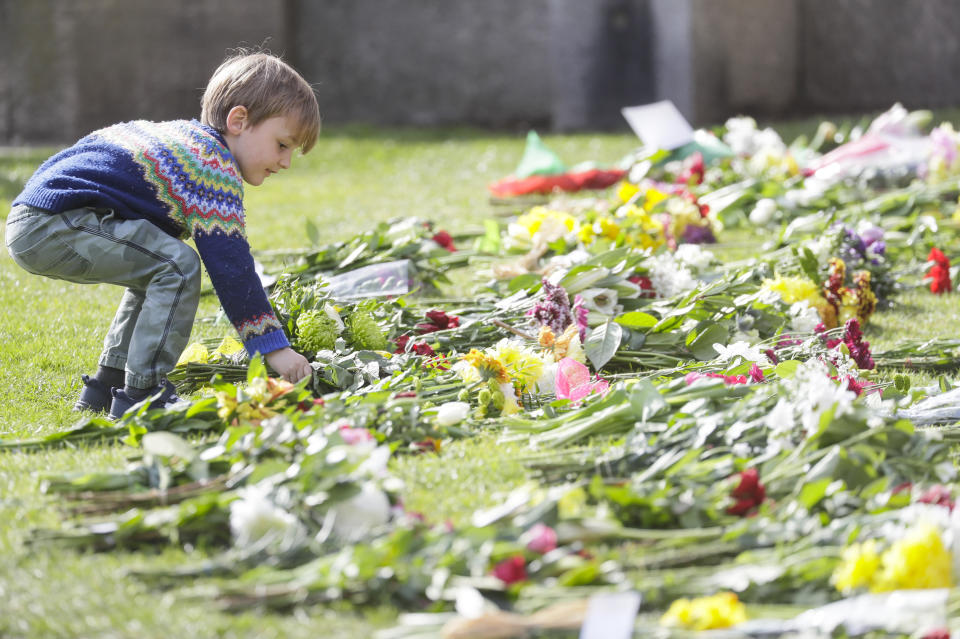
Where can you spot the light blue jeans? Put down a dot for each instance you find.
(160, 272)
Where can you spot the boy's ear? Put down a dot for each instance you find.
(237, 119)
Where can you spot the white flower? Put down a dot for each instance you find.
(355, 517)
(602, 300)
(256, 520)
(547, 382)
(815, 393)
(569, 260)
(805, 195)
(668, 276)
(803, 317)
(738, 349)
(451, 413)
(781, 419)
(763, 212)
(694, 256)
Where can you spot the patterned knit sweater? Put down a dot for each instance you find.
(180, 176)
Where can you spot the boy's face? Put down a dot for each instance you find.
(262, 149)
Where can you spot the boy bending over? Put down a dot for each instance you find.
(116, 207)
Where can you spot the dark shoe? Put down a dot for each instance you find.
(122, 402)
(94, 396)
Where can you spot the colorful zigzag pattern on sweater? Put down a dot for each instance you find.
(193, 174)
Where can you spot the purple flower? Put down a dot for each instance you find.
(554, 309)
(694, 234)
(580, 313)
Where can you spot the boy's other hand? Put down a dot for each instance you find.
(290, 364)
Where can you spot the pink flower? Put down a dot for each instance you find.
(542, 539)
(756, 374)
(937, 495)
(354, 436)
(729, 380)
(511, 570)
(573, 381)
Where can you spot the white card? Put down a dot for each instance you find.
(659, 124)
(611, 615)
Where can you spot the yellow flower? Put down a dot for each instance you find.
(228, 347)
(652, 197)
(721, 610)
(797, 289)
(608, 227)
(522, 364)
(196, 352)
(858, 566)
(919, 560)
(486, 366)
(541, 218)
(625, 191)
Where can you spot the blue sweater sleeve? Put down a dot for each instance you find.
(233, 274)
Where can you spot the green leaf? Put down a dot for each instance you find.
(702, 344)
(523, 282)
(583, 277)
(812, 492)
(637, 320)
(256, 368)
(163, 444)
(602, 343)
(787, 368)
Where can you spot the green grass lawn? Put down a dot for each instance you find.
(51, 332)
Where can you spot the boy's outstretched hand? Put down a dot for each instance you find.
(290, 364)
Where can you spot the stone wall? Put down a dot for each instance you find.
(70, 66)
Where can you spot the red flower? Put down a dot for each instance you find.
(692, 171)
(511, 570)
(939, 274)
(307, 404)
(646, 286)
(420, 348)
(756, 373)
(438, 321)
(445, 240)
(749, 493)
(937, 633)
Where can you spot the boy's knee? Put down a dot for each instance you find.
(188, 263)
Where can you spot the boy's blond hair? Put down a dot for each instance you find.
(268, 87)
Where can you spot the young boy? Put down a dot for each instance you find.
(116, 206)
